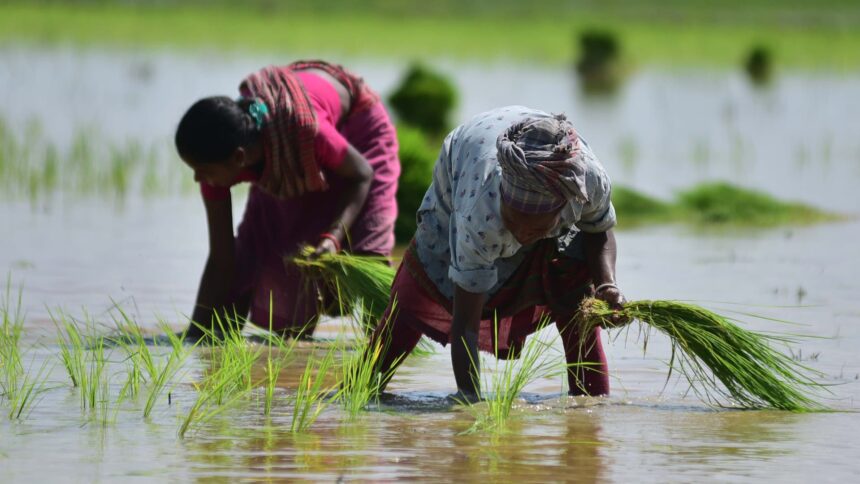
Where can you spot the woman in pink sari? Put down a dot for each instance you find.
(320, 152)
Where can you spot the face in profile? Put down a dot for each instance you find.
(220, 173)
(528, 228)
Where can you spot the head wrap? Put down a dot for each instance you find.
(542, 167)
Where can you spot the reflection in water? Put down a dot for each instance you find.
(391, 445)
(798, 140)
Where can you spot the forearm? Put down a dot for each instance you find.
(350, 204)
(600, 255)
(214, 293)
(219, 274)
(464, 340)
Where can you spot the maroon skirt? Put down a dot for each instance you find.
(546, 285)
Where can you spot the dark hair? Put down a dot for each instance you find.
(213, 128)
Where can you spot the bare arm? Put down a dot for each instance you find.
(464, 341)
(359, 174)
(600, 255)
(220, 271)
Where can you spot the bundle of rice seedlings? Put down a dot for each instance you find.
(360, 283)
(722, 361)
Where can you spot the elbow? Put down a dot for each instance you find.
(365, 175)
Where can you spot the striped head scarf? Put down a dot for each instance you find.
(542, 167)
(291, 168)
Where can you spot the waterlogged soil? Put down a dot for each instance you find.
(147, 256)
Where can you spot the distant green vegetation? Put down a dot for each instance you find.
(800, 34)
(35, 169)
(425, 99)
(32, 167)
(714, 204)
(417, 158)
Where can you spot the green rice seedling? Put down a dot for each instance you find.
(273, 371)
(217, 393)
(10, 338)
(234, 353)
(508, 379)
(23, 389)
(229, 375)
(312, 394)
(279, 353)
(132, 339)
(134, 377)
(94, 382)
(362, 378)
(18, 387)
(721, 361)
(166, 370)
(361, 283)
(223, 386)
(71, 344)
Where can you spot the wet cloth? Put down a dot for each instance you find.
(461, 238)
(547, 284)
(273, 228)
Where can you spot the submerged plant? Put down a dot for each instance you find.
(86, 362)
(508, 379)
(217, 393)
(228, 378)
(312, 395)
(22, 389)
(274, 364)
(71, 344)
(18, 387)
(10, 337)
(362, 374)
(720, 360)
(165, 371)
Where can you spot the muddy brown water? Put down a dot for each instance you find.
(148, 255)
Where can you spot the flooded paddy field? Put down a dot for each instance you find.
(664, 131)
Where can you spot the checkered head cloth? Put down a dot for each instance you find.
(542, 167)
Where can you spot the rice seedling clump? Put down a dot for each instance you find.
(722, 361)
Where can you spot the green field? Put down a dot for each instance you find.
(663, 33)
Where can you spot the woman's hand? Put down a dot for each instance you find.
(325, 246)
(613, 296)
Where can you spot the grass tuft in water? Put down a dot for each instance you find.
(19, 388)
(507, 380)
(279, 354)
(164, 371)
(721, 361)
(312, 395)
(10, 339)
(361, 377)
(228, 378)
